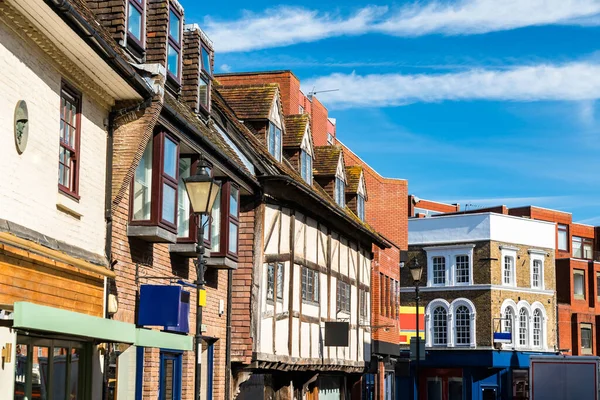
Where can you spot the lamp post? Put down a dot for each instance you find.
(416, 271)
(202, 191)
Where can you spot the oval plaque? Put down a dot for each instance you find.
(21, 126)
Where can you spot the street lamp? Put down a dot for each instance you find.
(202, 191)
(416, 271)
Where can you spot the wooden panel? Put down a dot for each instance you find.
(47, 284)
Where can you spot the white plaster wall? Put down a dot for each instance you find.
(311, 240)
(352, 270)
(295, 339)
(315, 340)
(7, 374)
(299, 235)
(297, 286)
(323, 294)
(344, 257)
(266, 336)
(272, 243)
(305, 331)
(285, 231)
(29, 193)
(322, 247)
(281, 337)
(485, 226)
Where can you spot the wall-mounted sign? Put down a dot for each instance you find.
(502, 337)
(21, 126)
(337, 333)
(159, 305)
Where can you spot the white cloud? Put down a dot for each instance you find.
(571, 82)
(225, 68)
(482, 16)
(286, 25)
(282, 26)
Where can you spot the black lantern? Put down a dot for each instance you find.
(202, 189)
(416, 271)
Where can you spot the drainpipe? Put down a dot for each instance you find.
(228, 337)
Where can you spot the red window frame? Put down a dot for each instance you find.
(226, 219)
(177, 45)
(193, 228)
(69, 93)
(208, 81)
(159, 177)
(140, 6)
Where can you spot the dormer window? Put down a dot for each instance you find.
(306, 166)
(360, 207)
(174, 45)
(274, 141)
(135, 21)
(340, 191)
(206, 66)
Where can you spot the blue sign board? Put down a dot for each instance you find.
(160, 305)
(502, 337)
(184, 315)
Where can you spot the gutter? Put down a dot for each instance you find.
(228, 336)
(377, 239)
(200, 136)
(91, 36)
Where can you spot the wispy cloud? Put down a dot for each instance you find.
(571, 82)
(282, 26)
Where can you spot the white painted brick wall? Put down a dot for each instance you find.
(29, 182)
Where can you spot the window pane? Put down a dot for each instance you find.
(440, 329)
(167, 390)
(215, 225)
(280, 270)
(170, 158)
(39, 381)
(523, 327)
(233, 237)
(206, 61)
(537, 328)
(508, 270)
(536, 274)
(183, 208)
(586, 338)
(233, 202)
(278, 144)
(77, 367)
(463, 326)
(577, 247)
(59, 380)
(562, 237)
(142, 186)
(174, 28)
(173, 60)
(587, 250)
(270, 281)
(462, 269)
(203, 92)
(439, 270)
(168, 205)
(578, 284)
(455, 389)
(21, 368)
(134, 22)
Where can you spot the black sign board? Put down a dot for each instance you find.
(337, 333)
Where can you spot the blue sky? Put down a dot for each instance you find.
(480, 102)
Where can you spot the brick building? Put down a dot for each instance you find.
(379, 201)
(488, 292)
(420, 208)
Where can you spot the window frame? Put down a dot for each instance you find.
(277, 141)
(276, 284)
(360, 207)
(340, 191)
(587, 327)
(524, 328)
(584, 241)
(177, 45)
(75, 151)
(469, 278)
(444, 271)
(579, 272)
(158, 179)
(193, 219)
(363, 313)
(343, 297)
(537, 313)
(511, 270)
(314, 296)
(208, 81)
(140, 6)
(177, 358)
(534, 260)
(208, 71)
(435, 334)
(469, 328)
(306, 162)
(562, 228)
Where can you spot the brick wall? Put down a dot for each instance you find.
(318, 122)
(155, 260)
(157, 22)
(111, 14)
(191, 68)
(430, 205)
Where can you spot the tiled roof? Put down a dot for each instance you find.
(353, 178)
(250, 101)
(211, 135)
(295, 127)
(326, 160)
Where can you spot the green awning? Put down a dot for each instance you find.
(49, 319)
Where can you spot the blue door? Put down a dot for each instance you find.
(170, 376)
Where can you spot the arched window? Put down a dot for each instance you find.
(509, 317)
(463, 326)
(523, 327)
(440, 326)
(537, 328)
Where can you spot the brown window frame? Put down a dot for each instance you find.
(158, 178)
(202, 68)
(75, 151)
(310, 297)
(177, 45)
(140, 6)
(343, 297)
(584, 241)
(208, 81)
(581, 273)
(224, 251)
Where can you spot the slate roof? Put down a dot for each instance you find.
(295, 127)
(353, 178)
(250, 102)
(326, 160)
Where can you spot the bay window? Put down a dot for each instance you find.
(174, 45)
(154, 199)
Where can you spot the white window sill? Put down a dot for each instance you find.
(68, 206)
